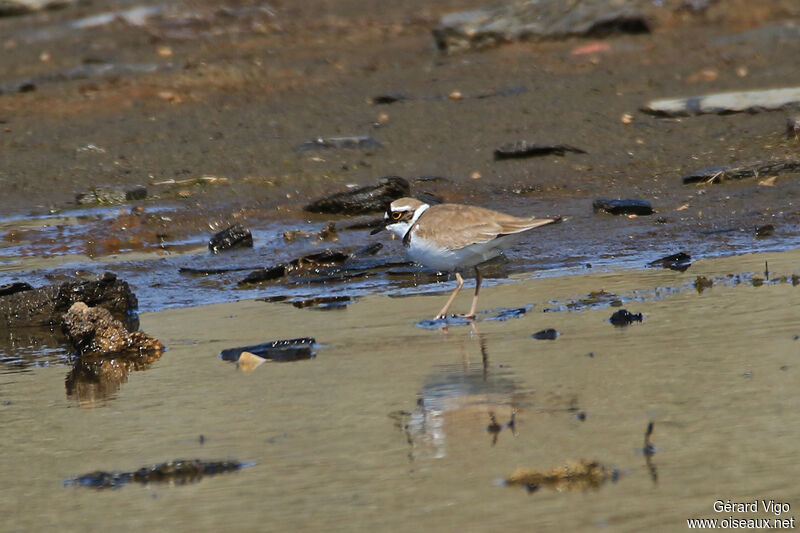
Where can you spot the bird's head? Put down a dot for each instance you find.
(401, 215)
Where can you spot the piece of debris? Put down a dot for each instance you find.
(107, 195)
(368, 199)
(45, 306)
(548, 334)
(623, 207)
(236, 236)
(277, 351)
(522, 149)
(536, 20)
(680, 262)
(93, 331)
(580, 475)
(361, 142)
(719, 174)
(723, 103)
(623, 317)
(177, 472)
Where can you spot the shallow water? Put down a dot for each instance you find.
(148, 250)
(715, 372)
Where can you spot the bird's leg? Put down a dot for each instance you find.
(443, 313)
(478, 279)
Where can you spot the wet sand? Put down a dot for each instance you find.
(233, 96)
(713, 370)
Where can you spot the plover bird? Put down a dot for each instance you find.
(454, 237)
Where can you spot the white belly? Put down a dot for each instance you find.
(446, 260)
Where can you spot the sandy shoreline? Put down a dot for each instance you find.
(388, 410)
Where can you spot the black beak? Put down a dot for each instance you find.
(378, 229)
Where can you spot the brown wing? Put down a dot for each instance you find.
(456, 226)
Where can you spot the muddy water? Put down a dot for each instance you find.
(386, 429)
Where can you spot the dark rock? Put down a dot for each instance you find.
(759, 169)
(623, 207)
(13, 288)
(538, 20)
(177, 472)
(326, 257)
(278, 351)
(505, 314)
(765, 231)
(327, 275)
(10, 8)
(236, 236)
(370, 249)
(311, 263)
(522, 149)
(429, 198)
(680, 262)
(361, 142)
(369, 199)
(623, 317)
(264, 274)
(546, 334)
(93, 331)
(45, 306)
(390, 98)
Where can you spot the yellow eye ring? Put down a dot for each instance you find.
(396, 215)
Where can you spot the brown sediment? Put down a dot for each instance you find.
(573, 475)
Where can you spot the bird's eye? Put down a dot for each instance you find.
(396, 215)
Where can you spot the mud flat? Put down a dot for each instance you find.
(393, 427)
